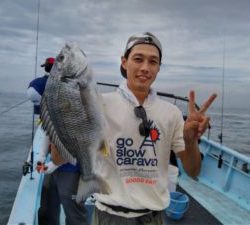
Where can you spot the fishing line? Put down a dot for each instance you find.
(14, 106)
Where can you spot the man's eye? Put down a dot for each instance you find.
(138, 59)
(154, 62)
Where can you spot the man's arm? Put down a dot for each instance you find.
(55, 156)
(195, 125)
(191, 159)
(34, 96)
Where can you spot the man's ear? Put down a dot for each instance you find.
(123, 62)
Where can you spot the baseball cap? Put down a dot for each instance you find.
(144, 38)
(49, 60)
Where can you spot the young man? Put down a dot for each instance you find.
(142, 129)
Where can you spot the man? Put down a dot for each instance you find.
(60, 183)
(37, 86)
(142, 129)
(35, 91)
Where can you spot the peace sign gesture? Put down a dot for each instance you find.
(197, 121)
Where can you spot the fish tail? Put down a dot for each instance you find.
(88, 187)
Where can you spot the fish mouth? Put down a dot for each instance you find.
(81, 71)
(66, 78)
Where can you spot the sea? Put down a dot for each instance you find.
(16, 137)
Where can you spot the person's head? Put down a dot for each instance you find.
(141, 60)
(48, 64)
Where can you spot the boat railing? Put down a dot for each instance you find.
(226, 170)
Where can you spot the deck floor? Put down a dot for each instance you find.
(196, 214)
(224, 209)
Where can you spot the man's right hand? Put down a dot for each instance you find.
(55, 156)
(40, 167)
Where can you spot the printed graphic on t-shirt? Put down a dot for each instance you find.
(138, 163)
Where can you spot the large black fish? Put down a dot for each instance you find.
(72, 116)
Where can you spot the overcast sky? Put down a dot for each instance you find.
(192, 32)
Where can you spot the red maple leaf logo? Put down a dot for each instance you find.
(154, 134)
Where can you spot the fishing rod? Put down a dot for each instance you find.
(28, 166)
(14, 106)
(220, 136)
(163, 94)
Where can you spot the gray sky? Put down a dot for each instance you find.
(192, 32)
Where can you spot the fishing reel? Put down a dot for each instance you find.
(27, 168)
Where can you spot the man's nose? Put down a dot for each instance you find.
(145, 65)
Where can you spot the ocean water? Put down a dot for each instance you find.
(16, 134)
(15, 141)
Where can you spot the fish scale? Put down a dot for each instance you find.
(66, 105)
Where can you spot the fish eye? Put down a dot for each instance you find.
(60, 58)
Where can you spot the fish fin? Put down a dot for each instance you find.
(88, 187)
(63, 151)
(104, 186)
(104, 149)
(48, 127)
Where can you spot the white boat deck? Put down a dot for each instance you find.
(225, 210)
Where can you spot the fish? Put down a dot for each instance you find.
(73, 117)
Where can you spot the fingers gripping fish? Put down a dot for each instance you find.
(72, 116)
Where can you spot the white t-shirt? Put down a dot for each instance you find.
(136, 168)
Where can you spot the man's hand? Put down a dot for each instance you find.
(197, 122)
(41, 167)
(55, 156)
(195, 125)
(45, 168)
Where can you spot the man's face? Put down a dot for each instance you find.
(142, 67)
(48, 67)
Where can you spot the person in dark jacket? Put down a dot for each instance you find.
(37, 86)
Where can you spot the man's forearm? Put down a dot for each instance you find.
(191, 159)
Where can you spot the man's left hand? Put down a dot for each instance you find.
(196, 122)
